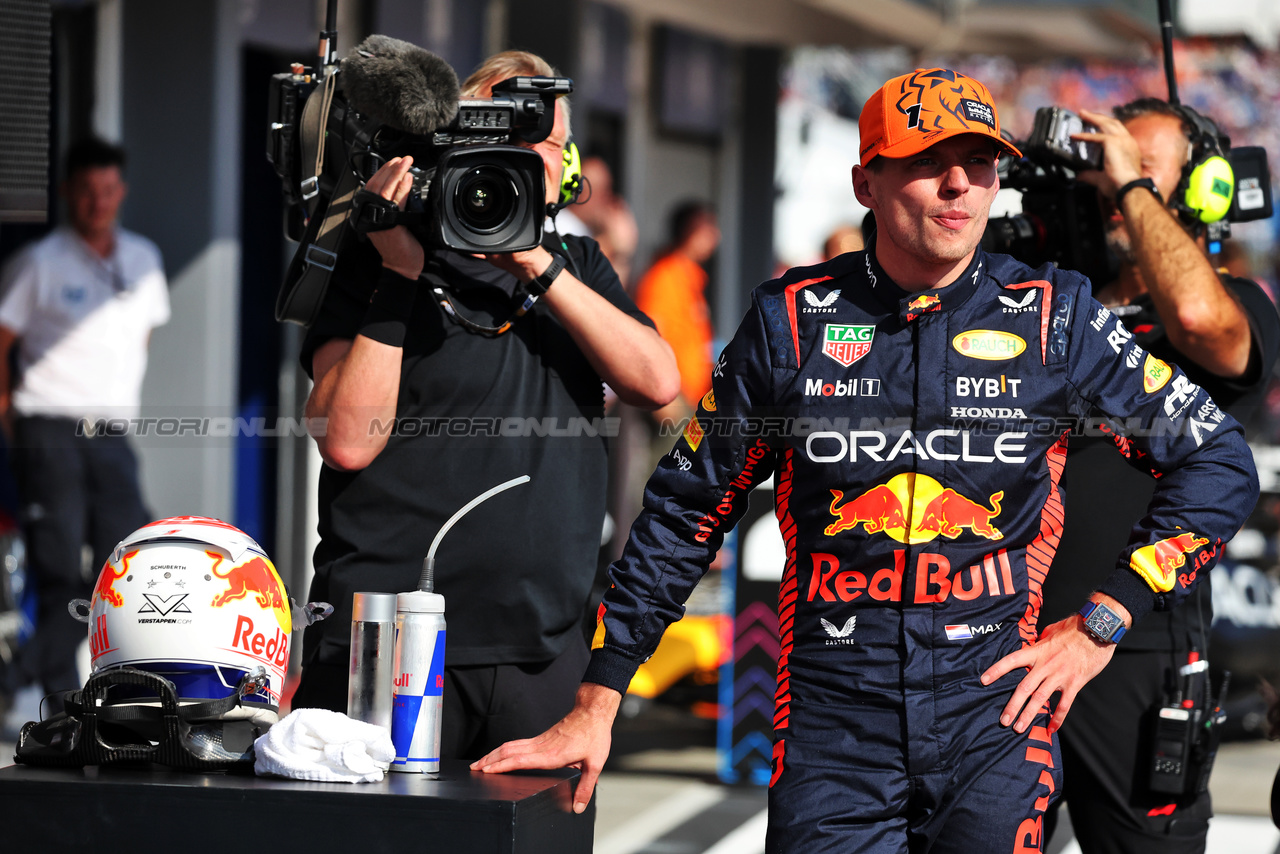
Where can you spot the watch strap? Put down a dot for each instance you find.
(1145, 183)
(539, 284)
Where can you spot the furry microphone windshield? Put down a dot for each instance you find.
(400, 85)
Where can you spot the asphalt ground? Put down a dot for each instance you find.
(659, 793)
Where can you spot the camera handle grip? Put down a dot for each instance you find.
(372, 212)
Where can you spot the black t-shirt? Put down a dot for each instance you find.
(473, 411)
(1105, 496)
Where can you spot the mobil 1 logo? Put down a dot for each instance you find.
(864, 387)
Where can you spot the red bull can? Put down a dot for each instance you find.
(418, 687)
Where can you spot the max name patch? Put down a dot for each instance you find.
(976, 111)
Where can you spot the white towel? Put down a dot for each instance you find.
(317, 744)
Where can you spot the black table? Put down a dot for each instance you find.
(116, 809)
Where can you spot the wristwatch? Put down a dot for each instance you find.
(1103, 623)
(539, 284)
(1144, 183)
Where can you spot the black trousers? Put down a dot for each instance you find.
(74, 490)
(1106, 757)
(485, 706)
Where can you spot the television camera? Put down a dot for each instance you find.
(1061, 219)
(474, 188)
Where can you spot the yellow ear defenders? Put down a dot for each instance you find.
(1208, 183)
(570, 180)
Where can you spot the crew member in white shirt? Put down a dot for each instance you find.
(77, 307)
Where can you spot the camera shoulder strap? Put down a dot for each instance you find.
(304, 287)
(315, 115)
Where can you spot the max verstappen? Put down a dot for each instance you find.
(913, 403)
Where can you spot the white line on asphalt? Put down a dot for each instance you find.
(1242, 834)
(1229, 834)
(670, 812)
(747, 839)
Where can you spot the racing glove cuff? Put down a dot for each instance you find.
(610, 669)
(1127, 587)
(387, 317)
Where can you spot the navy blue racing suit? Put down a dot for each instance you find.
(916, 442)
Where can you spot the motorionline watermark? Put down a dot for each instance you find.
(215, 427)
(236, 427)
(791, 427)
(505, 427)
(550, 427)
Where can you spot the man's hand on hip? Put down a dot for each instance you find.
(1064, 659)
(580, 740)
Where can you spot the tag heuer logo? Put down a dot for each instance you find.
(847, 344)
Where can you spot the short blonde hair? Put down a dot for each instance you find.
(512, 63)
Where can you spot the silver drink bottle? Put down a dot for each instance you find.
(373, 638)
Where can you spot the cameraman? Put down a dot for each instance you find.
(1224, 333)
(471, 401)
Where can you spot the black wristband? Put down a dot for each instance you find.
(1145, 183)
(539, 284)
(386, 319)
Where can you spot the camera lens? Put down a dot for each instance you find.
(485, 199)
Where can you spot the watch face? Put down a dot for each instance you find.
(1102, 622)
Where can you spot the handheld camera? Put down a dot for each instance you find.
(474, 189)
(1061, 220)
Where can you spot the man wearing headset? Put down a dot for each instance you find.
(479, 392)
(1224, 333)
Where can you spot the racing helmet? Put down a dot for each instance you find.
(198, 602)
(189, 630)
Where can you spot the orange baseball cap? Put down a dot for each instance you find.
(912, 112)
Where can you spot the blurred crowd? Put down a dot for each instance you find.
(1235, 84)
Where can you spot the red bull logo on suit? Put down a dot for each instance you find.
(915, 508)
